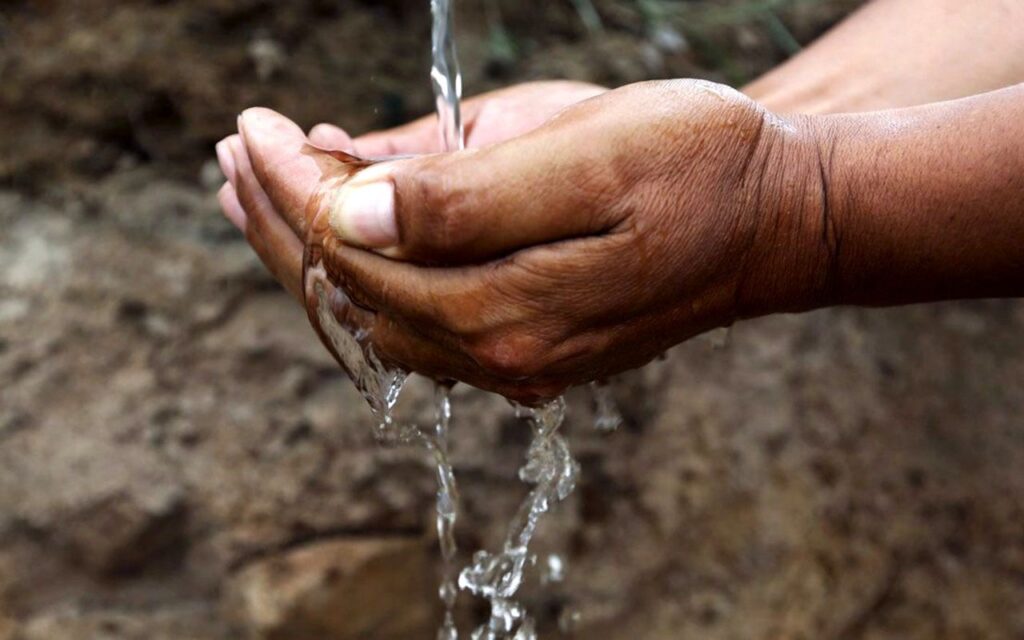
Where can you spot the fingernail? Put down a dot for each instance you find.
(226, 160)
(364, 214)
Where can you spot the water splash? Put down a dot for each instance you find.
(607, 417)
(553, 570)
(378, 384)
(552, 471)
(549, 465)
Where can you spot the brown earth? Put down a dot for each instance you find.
(180, 459)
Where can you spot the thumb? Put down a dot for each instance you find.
(553, 184)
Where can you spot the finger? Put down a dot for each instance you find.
(460, 310)
(287, 167)
(421, 136)
(539, 313)
(231, 207)
(398, 343)
(329, 136)
(508, 112)
(467, 206)
(455, 322)
(404, 345)
(415, 138)
(271, 238)
(226, 161)
(438, 301)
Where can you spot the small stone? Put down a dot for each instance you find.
(119, 534)
(380, 588)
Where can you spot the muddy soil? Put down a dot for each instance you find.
(179, 459)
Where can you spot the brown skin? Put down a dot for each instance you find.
(488, 119)
(901, 53)
(927, 202)
(655, 212)
(533, 267)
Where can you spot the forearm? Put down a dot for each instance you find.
(899, 53)
(926, 203)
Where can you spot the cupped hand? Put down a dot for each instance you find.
(588, 246)
(487, 119)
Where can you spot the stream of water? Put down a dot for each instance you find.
(549, 467)
(446, 78)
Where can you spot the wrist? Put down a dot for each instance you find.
(794, 259)
(925, 201)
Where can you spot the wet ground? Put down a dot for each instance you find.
(180, 459)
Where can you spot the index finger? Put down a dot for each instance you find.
(289, 169)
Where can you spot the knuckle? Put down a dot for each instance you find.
(443, 222)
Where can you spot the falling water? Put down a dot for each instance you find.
(606, 413)
(381, 386)
(549, 467)
(447, 81)
(552, 471)
(446, 76)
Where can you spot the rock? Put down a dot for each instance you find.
(109, 514)
(120, 534)
(380, 588)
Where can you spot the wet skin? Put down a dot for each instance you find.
(631, 221)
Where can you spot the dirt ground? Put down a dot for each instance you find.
(179, 459)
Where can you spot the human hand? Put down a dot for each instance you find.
(592, 244)
(487, 119)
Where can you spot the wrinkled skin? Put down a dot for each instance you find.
(622, 226)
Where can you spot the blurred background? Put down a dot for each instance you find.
(179, 458)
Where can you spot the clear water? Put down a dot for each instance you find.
(552, 471)
(447, 81)
(606, 413)
(446, 76)
(549, 466)
(381, 387)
